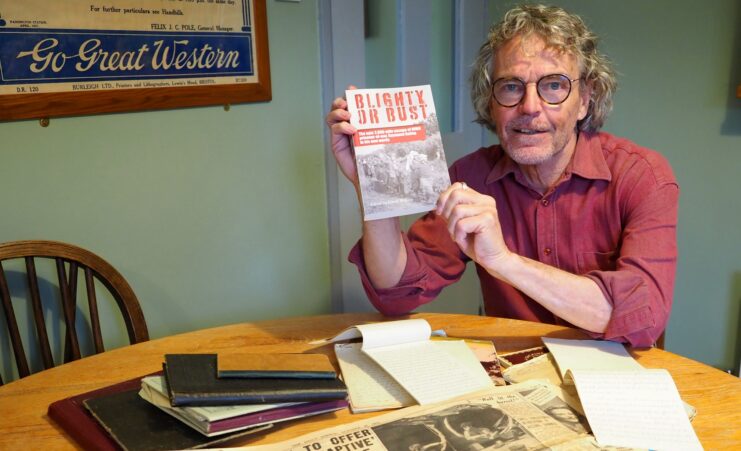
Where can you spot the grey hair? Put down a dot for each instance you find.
(562, 31)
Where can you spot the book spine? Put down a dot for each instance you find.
(275, 415)
(245, 374)
(231, 399)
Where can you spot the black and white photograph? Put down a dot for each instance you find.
(460, 428)
(406, 176)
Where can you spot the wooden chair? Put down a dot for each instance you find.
(69, 259)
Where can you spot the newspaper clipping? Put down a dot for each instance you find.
(528, 416)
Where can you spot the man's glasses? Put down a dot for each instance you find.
(553, 89)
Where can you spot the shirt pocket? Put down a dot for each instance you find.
(596, 261)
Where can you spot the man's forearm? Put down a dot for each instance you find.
(576, 299)
(384, 252)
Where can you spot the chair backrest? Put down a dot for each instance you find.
(68, 259)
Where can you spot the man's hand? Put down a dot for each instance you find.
(473, 223)
(341, 130)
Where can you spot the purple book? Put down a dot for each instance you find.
(275, 415)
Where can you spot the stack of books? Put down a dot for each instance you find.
(202, 400)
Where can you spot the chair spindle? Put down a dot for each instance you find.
(93, 307)
(38, 313)
(15, 336)
(72, 345)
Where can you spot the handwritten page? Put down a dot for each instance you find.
(370, 387)
(636, 409)
(428, 371)
(625, 404)
(590, 355)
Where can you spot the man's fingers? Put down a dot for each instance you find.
(342, 128)
(337, 115)
(460, 212)
(340, 103)
(463, 228)
(456, 198)
(443, 206)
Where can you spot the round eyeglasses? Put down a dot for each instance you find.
(553, 89)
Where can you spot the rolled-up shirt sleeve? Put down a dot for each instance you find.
(641, 287)
(434, 261)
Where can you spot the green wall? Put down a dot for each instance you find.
(679, 63)
(214, 217)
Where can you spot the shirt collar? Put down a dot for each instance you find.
(588, 161)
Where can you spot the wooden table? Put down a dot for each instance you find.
(23, 403)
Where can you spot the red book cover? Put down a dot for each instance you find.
(398, 150)
(122, 420)
(71, 414)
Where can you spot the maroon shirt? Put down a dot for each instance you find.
(612, 217)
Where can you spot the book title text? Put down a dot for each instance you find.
(391, 107)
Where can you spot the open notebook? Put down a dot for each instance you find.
(398, 365)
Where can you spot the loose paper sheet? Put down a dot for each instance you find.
(637, 409)
(626, 404)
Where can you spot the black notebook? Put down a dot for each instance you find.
(192, 381)
(136, 425)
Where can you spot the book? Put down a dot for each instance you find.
(137, 425)
(218, 420)
(80, 424)
(626, 405)
(192, 381)
(398, 150)
(300, 366)
(398, 365)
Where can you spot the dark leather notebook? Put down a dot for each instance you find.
(152, 428)
(192, 381)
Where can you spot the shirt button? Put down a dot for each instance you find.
(547, 251)
(544, 202)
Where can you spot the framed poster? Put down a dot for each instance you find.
(73, 57)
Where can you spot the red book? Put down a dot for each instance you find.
(71, 414)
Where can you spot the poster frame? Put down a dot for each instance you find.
(60, 104)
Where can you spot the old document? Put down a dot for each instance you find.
(528, 416)
(429, 371)
(626, 404)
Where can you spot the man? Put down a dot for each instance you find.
(566, 224)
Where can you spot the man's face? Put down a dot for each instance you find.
(533, 131)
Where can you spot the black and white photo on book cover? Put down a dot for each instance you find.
(398, 150)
